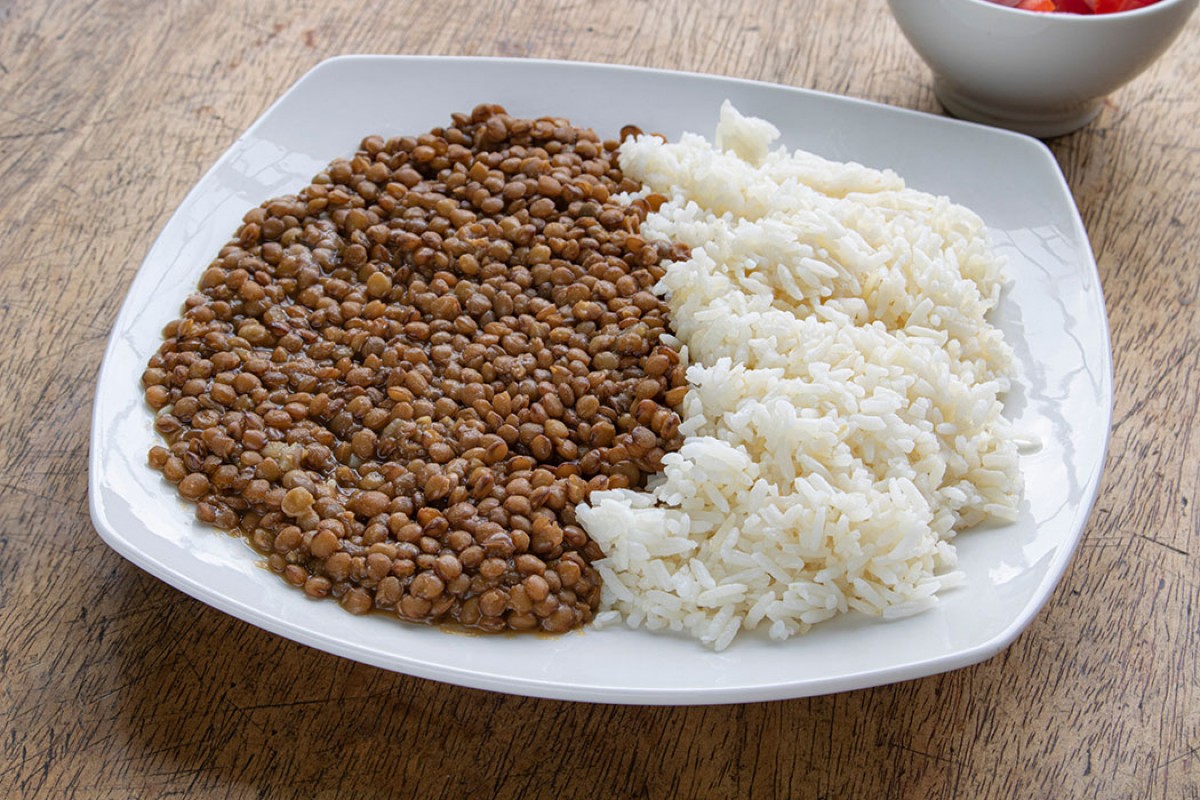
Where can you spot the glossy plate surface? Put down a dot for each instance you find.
(1053, 315)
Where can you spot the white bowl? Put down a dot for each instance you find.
(1044, 74)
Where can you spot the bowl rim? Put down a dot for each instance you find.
(1068, 18)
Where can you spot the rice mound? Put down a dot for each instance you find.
(843, 415)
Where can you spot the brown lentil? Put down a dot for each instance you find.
(399, 382)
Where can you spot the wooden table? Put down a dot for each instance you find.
(114, 685)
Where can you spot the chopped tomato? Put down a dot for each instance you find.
(1111, 6)
(1078, 6)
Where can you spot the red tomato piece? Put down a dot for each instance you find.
(1113, 6)
(1077, 6)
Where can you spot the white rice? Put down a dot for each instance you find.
(843, 417)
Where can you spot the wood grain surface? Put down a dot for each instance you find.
(114, 685)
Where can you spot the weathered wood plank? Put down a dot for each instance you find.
(115, 685)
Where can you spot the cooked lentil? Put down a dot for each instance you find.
(398, 383)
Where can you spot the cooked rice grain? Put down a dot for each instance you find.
(843, 416)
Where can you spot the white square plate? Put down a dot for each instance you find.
(1053, 315)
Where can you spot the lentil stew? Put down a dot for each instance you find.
(398, 383)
